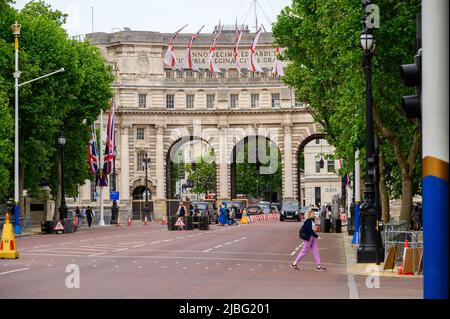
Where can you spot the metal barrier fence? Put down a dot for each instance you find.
(26, 224)
(396, 239)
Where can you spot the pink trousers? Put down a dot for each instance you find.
(308, 245)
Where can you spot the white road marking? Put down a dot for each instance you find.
(180, 237)
(205, 251)
(352, 287)
(41, 246)
(137, 246)
(99, 254)
(12, 271)
(121, 249)
(69, 242)
(296, 249)
(83, 241)
(218, 246)
(166, 240)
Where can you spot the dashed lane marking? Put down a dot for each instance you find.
(12, 271)
(137, 246)
(218, 246)
(99, 254)
(83, 241)
(207, 250)
(296, 249)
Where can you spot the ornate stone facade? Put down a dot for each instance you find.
(157, 106)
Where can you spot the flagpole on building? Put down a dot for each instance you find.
(102, 221)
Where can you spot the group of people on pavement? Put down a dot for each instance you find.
(227, 216)
(88, 213)
(416, 217)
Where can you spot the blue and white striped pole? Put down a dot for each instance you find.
(435, 104)
(357, 190)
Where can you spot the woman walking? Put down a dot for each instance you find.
(310, 237)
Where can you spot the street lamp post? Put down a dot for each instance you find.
(16, 32)
(146, 162)
(368, 250)
(63, 207)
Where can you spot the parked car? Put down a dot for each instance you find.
(254, 210)
(290, 210)
(206, 209)
(265, 206)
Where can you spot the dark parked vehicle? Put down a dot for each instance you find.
(254, 210)
(265, 206)
(290, 210)
(206, 209)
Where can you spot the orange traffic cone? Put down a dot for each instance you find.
(163, 222)
(129, 221)
(145, 221)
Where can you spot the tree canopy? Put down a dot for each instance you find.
(322, 41)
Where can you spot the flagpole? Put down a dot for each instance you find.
(102, 221)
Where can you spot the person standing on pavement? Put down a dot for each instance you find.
(89, 215)
(83, 214)
(416, 217)
(78, 214)
(310, 242)
(222, 215)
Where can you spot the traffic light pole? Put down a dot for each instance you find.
(435, 103)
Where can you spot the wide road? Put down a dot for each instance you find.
(148, 261)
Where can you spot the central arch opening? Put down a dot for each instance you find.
(255, 170)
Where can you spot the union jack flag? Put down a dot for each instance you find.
(187, 61)
(169, 57)
(110, 143)
(253, 65)
(93, 152)
(212, 66)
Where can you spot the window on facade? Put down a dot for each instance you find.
(255, 101)
(317, 164)
(209, 74)
(297, 101)
(190, 101)
(317, 140)
(233, 74)
(93, 190)
(140, 160)
(170, 74)
(179, 74)
(330, 166)
(275, 100)
(170, 101)
(142, 100)
(234, 101)
(140, 133)
(189, 74)
(317, 195)
(210, 101)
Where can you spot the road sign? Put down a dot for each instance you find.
(59, 226)
(113, 196)
(179, 222)
(95, 194)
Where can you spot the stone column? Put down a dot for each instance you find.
(160, 178)
(160, 208)
(223, 163)
(288, 171)
(124, 164)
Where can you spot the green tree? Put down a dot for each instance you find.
(203, 174)
(71, 100)
(323, 47)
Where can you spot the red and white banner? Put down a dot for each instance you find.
(187, 61)
(235, 50)
(278, 67)
(169, 57)
(212, 65)
(253, 65)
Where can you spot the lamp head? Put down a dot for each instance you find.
(367, 42)
(16, 28)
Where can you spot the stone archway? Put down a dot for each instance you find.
(299, 151)
(171, 154)
(273, 168)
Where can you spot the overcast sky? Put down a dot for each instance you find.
(162, 15)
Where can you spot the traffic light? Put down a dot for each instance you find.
(412, 76)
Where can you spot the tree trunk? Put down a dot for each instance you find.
(407, 195)
(384, 196)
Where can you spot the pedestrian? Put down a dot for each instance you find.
(231, 215)
(89, 215)
(83, 214)
(78, 214)
(181, 211)
(416, 217)
(222, 215)
(310, 237)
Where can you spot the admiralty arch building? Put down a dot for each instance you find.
(160, 109)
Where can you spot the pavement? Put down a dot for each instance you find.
(148, 261)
